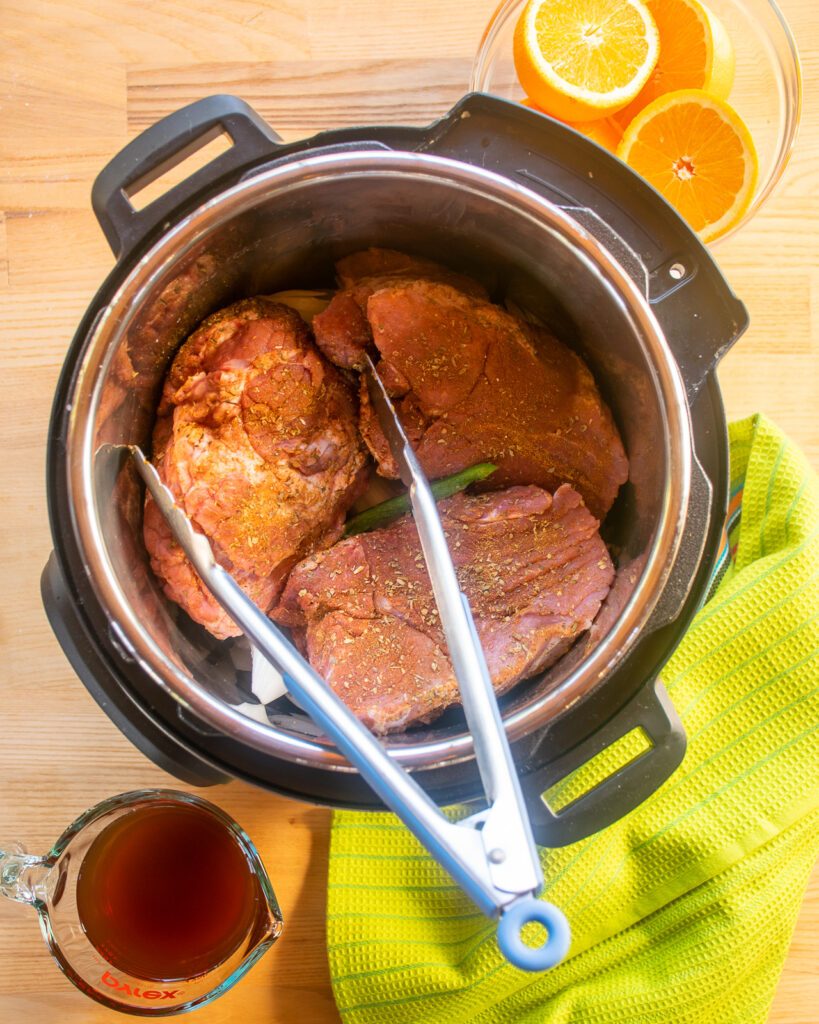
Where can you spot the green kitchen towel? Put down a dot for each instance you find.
(682, 912)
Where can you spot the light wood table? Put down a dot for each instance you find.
(78, 79)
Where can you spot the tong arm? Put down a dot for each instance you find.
(507, 834)
(460, 848)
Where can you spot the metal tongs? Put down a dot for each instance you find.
(492, 853)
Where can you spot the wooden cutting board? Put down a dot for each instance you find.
(78, 79)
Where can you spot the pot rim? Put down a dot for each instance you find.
(114, 320)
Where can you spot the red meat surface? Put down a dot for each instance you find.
(474, 383)
(256, 436)
(342, 330)
(532, 565)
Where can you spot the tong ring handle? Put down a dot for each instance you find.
(529, 958)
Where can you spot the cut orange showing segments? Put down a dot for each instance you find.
(695, 53)
(580, 60)
(697, 151)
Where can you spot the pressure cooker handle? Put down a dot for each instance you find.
(619, 793)
(699, 314)
(163, 146)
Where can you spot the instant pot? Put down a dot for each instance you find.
(557, 229)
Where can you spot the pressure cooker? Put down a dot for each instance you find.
(561, 232)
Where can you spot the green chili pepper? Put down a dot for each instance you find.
(392, 508)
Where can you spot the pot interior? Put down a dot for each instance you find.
(285, 230)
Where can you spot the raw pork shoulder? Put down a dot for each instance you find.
(342, 331)
(471, 382)
(533, 567)
(256, 436)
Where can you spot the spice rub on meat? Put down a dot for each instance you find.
(474, 383)
(342, 330)
(532, 566)
(256, 437)
(471, 381)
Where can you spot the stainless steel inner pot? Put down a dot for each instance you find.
(284, 228)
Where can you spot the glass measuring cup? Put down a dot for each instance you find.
(78, 909)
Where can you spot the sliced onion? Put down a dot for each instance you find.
(266, 682)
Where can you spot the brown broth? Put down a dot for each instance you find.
(166, 893)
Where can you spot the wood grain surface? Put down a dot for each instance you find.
(78, 79)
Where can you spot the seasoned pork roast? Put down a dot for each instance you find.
(264, 445)
(471, 381)
(256, 436)
(533, 567)
(342, 330)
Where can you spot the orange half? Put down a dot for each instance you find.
(698, 153)
(695, 53)
(579, 60)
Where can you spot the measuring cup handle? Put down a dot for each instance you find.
(22, 875)
(529, 958)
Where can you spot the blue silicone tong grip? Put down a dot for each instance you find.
(529, 958)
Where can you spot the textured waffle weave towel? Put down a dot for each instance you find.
(682, 912)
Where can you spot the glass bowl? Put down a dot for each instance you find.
(767, 91)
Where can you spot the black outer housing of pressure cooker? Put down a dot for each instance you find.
(541, 154)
